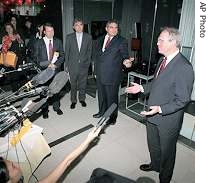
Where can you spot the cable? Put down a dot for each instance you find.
(32, 174)
(26, 156)
(37, 180)
(7, 146)
(16, 152)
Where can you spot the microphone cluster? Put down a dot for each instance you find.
(10, 116)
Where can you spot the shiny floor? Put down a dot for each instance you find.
(121, 149)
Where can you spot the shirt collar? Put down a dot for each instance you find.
(171, 56)
(47, 39)
(107, 36)
(79, 33)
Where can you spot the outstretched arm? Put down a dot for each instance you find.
(55, 174)
(135, 88)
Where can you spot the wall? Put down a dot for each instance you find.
(187, 30)
(92, 10)
(67, 17)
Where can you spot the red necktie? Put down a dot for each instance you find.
(50, 50)
(107, 42)
(162, 65)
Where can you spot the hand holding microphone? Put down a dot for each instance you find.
(128, 62)
(106, 116)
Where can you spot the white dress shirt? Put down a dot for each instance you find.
(47, 41)
(79, 39)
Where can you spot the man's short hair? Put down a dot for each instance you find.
(47, 24)
(174, 35)
(112, 21)
(77, 20)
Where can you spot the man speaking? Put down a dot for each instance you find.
(169, 94)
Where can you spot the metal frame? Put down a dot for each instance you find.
(131, 75)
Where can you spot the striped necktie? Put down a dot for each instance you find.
(162, 66)
(107, 42)
(50, 50)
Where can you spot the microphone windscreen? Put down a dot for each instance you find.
(110, 110)
(106, 116)
(59, 81)
(43, 77)
(24, 102)
(38, 105)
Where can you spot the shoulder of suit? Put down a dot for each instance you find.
(183, 60)
(71, 34)
(40, 41)
(56, 39)
(86, 34)
(119, 38)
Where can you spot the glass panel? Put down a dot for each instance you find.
(187, 52)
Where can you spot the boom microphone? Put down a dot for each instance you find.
(106, 116)
(59, 81)
(110, 110)
(36, 106)
(39, 79)
(43, 76)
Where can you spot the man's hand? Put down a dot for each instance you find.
(153, 110)
(52, 66)
(93, 134)
(136, 88)
(128, 62)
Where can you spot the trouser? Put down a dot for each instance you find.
(162, 148)
(79, 82)
(107, 95)
(55, 102)
(55, 99)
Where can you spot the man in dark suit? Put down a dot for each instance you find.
(49, 53)
(77, 61)
(111, 53)
(170, 92)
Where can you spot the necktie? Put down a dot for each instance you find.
(107, 42)
(50, 50)
(162, 65)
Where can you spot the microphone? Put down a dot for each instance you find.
(39, 79)
(31, 107)
(106, 116)
(43, 76)
(57, 84)
(34, 92)
(59, 81)
(36, 106)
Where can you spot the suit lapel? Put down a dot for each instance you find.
(169, 67)
(54, 44)
(112, 42)
(44, 46)
(100, 44)
(75, 42)
(110, 46)
(83, 41)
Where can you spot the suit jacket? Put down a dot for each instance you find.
(40, 54)
(109, 63)
(171, 90)
(76, 60)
